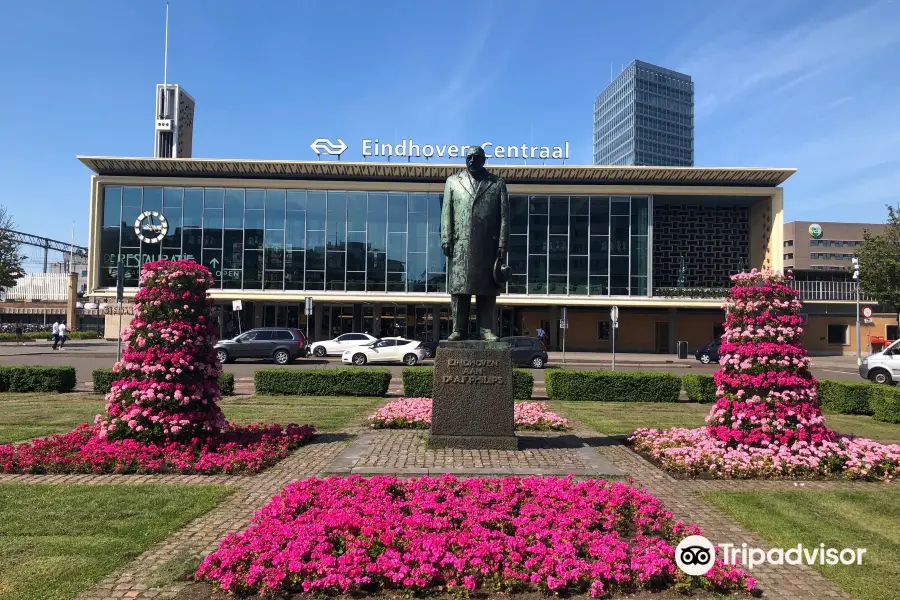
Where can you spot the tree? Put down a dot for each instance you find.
(10, 259)
(879, 261)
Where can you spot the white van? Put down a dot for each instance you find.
(884, 366)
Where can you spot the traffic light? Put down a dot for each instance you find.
(855, 261)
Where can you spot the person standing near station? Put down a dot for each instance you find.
(19, 338)
(55, 332)
(61, 336)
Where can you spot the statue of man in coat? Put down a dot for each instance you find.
(475, 238)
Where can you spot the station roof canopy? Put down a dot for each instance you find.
(431, 172)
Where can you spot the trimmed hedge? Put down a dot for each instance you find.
(46, 335)
(321, 382)
(523, 384)
(418, 382)
(846, 397)
(699, 387)
(103, 379)
(612, 386)
(226, 383)
(885, 403)
(21, 378)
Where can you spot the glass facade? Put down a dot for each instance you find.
(645, 117)
(380, 242)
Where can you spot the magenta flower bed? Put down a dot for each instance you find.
(695, 453)
(554, 535)
(236, 449)
(415, 413)
(766, 421)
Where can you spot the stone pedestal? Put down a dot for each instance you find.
(473, 397)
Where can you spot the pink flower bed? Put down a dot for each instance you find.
(695, 453)
(237, 449)
(415, 413)
(766, 421)
(553, 535)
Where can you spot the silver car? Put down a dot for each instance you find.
(882, 367)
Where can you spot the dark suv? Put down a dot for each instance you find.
(281, 344)
(526, 351)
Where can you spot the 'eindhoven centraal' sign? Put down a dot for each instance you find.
(411, 149)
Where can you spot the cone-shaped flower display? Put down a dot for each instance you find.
(766, 421)
(168, 387)
(765, 391)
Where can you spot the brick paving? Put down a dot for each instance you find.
(404, 452)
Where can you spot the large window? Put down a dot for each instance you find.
(837, 334)
(358, 241)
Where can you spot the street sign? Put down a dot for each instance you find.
(308, 309)
(563, 324)
(867, 312)
(236, 305)
(614, 314)
(868, 321)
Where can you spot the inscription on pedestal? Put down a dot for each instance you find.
(473, 403)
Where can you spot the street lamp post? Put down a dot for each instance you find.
(858, 333)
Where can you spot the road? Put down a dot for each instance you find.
(86, 357)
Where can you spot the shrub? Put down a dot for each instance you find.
(846, 397)
(418, 382)
(226, 383)
(612, 386)
(46, 335)
(700, 388)
(321, 382)
(26, 378)
(885, 403)
(104, 377)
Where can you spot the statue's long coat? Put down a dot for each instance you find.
(476, 223)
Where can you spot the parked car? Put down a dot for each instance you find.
(281, 344)
(527, 351)
(340, 343)
(427, 344)
(389, 349)
(709, 353)
(882, 367)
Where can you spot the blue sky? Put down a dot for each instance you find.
(806, 84)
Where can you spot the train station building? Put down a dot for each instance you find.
(363, 241)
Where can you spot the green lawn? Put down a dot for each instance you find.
(327, 414)
(619, 418)
(59, 540)
(868, 520)
(24, 416)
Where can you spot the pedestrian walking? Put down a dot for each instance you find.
(62, 335)
(19, 338)
(55, 332)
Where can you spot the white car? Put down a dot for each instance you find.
(341, 343)
(391, 349)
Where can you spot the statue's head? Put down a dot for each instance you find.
(475, 159)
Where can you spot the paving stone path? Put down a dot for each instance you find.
(582, 453)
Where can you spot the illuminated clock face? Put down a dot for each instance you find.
(815, 231)
(151, 227)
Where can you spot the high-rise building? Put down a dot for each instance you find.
(645, 117)
(174, 122)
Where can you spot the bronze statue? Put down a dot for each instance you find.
(475, 238)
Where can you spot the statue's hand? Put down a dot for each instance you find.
(448, 250)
